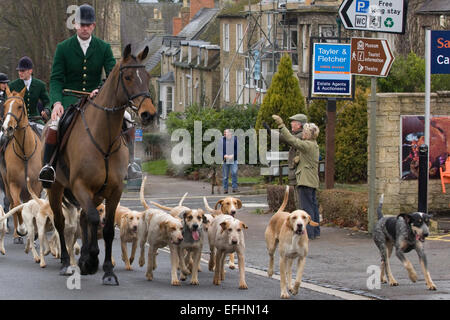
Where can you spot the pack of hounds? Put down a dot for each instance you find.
(183, 230)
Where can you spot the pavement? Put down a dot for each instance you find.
(340, 259)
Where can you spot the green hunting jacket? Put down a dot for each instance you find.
(307, 173)
(38, 91)
(73, 70)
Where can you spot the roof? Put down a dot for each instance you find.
(155, 46)
(435, 7)
(167, 78)
(198, 22)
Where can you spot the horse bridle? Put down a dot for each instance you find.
(13, 115)
(24, 158)
(130, 98)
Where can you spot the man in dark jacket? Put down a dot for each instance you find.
(228, 147)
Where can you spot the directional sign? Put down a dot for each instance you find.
(440, 52)
(331, 69)
(374, 15)
(371, 57)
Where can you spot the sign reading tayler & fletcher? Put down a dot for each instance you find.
(371, 57)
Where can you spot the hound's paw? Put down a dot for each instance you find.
(2, 251)
(128, 267)
(141, 262)
(284, 295)
(243, 286)
(216, 281)
(232, 266)
(175, 283)
(393, 283)
(194, 282)
(431, 286)
(413, 276)
(149, 276)
(42, 264)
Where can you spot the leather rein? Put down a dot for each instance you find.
(110, 151)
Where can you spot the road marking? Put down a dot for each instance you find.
(254, 205)
(440, 238)
(313, 287)
(192, 197)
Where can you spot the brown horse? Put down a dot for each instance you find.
(22, 155)
(93, 163)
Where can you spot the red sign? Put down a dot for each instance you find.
(371, 57)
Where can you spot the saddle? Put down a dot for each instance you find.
(67, 121)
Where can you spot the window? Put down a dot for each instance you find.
(226, 37)
(239, 38)
(226, 85)
(189, 54)
(239, 87)
(169, 100)
(249, 70)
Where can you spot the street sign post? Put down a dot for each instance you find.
(371, 57)
(374, 15)
(331, 69)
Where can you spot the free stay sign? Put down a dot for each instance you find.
(440, 52)
(331, 69)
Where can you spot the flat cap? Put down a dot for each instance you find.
(300, 117)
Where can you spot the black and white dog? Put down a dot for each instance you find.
(405, 232)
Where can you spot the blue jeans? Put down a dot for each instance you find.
(308, 202)
(226, 167)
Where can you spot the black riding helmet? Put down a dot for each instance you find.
(3, 78)
(85, 14)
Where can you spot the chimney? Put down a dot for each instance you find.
(176, 25)
(196, 5)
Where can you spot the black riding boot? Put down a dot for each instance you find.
(47, 174)
(134, 169)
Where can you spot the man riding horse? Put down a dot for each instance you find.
(77, 66)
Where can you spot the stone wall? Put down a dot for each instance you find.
(401, 196)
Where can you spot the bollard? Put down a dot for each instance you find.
(423, 179)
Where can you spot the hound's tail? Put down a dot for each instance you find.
(141, 193)
(182, 199)
(285, 199)
(160, 206)
(12, 211)
(380, 205)
(33, 195)
(207, 207)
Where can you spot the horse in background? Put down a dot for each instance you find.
(22, 156)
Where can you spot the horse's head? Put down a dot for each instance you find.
(14, 112)
(135, 83)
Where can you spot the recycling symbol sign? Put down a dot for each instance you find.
(389, 23)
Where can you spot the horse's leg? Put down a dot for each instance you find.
(109, 278)
(55, 195)
(15, 196)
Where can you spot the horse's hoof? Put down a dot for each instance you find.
(66, 271)
(93, 265)
(110, 280)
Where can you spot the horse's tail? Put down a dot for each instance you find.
(380, 206)
(33, 195)
(285, 199)
(182, 199)
(141, 193)
(208, 208)
(160, 206)
(12, 211)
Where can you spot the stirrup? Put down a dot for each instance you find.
(47, 175)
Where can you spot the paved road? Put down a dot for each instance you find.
(335, 268)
